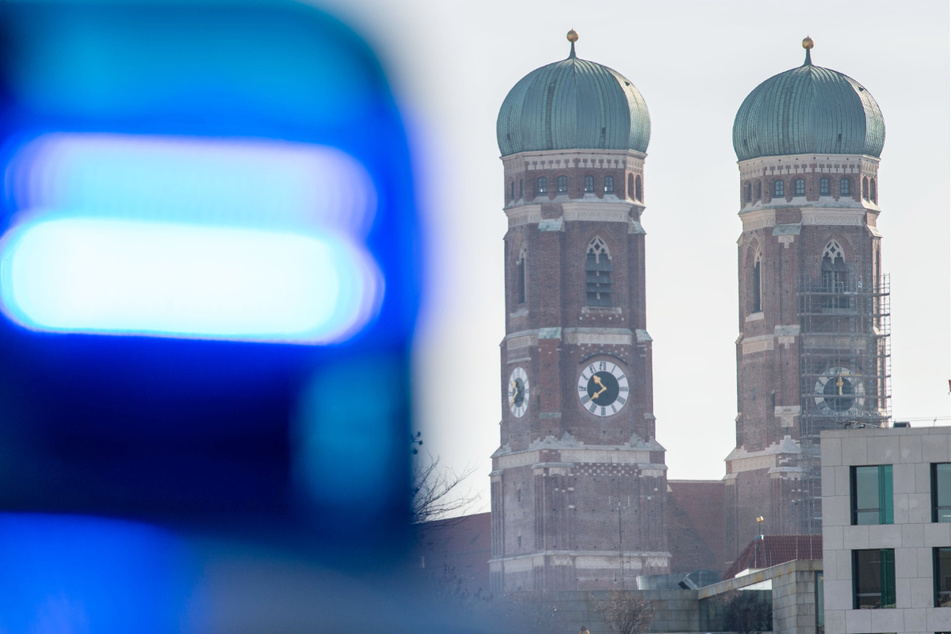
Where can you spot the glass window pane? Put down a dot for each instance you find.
(867, 578)
(942, 577)
(943, 484)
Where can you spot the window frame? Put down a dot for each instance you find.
(541, 185)
(938, 576)
(884, 511)
(608, 184)
(845, 187)
(638, 188)
(779, 188)
(561, 184)
(935, 491)
(799, 187)
(589, 184)
(885, 574)
(825, 186)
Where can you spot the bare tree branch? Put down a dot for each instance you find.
(437, 491)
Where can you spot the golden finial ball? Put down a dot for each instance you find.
(807, 43)
(572, 36)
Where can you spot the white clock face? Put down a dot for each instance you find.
(518, 392)
(603, 388)
(839, 392)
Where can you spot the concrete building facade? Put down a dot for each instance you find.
(887, 530)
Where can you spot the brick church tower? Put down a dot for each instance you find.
(579, 481)
(813, 304)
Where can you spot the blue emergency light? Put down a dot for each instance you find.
(208, 266)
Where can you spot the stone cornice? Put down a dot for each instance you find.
(571, 159)
(844, 164)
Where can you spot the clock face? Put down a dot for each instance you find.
(603, 388)
(518, 392)
(839, 392)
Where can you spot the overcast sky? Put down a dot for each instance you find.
(452, 63)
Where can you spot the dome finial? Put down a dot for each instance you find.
(807, 44)
(572, 37)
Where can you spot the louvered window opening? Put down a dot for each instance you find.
(598, 279)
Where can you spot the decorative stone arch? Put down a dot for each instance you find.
(598, 269)
(834, 275)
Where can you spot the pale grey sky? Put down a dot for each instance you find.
(694, 61)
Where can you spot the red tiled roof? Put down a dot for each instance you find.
(772, 550)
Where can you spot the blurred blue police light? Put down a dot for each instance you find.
(196, 238)
(100, 275)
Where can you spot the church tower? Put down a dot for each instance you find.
(579, 481)
(813, 303)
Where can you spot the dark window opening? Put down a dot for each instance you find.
(749, 192)
(871, 191)
(562, 184)
(759, 190)
(824, 187)
(521, 188)
(588, 184)
(638, 189)
(779, 188)
(845, 187)
(521, 282)
(873, 578)
(608, 184)
(542, 185)
(942, 577)
(865, 188)
(757, 287)
(799, 187)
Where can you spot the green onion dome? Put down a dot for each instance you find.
(808, 110)
(573, 104)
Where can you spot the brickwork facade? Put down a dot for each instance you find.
(809, 262)
(579, 481)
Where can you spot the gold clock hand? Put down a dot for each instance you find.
(515, 395)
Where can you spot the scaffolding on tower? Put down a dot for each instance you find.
(845, 369)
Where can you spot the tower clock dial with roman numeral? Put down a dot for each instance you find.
(603, 388)
(518, 392)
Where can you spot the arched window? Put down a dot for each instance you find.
(865, 188)
(845, 187)
(779, 189)
(871, 191)
(638, 189)
(824, 187)
(521, 283)
(630, 186)
(749, 192)
(588, 184)
(542, 185)
(799, 187)
(598, 269)
(608, 184)
(757, 283)
(521, 188)
(562, 184)
(759, 190)
(834, 276)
